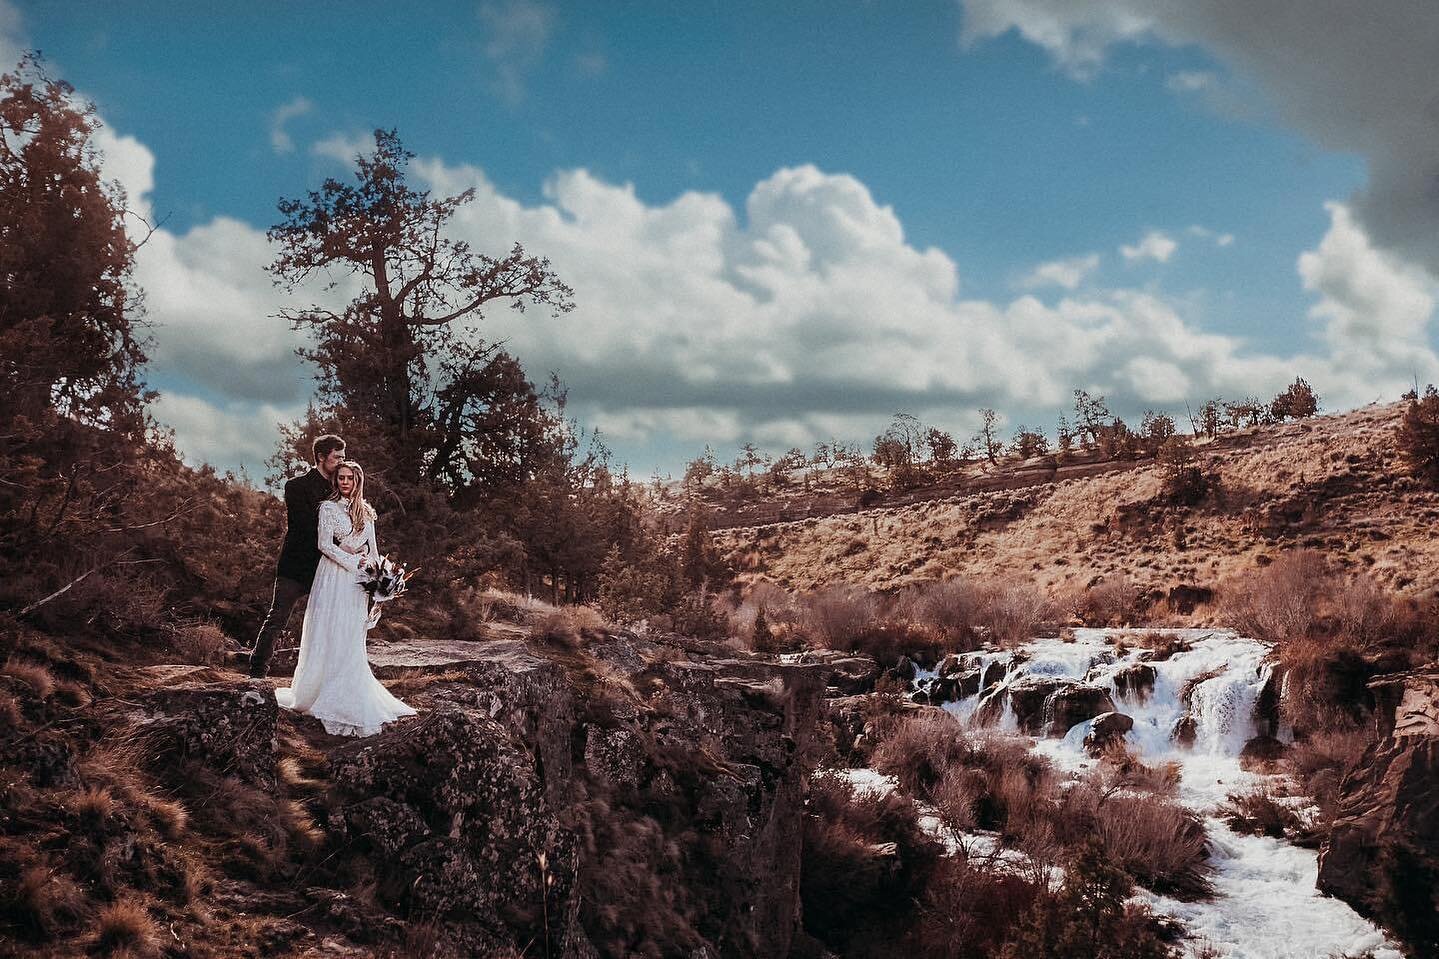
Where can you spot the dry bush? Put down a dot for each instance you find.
(953, 608)
(955, 797)
(1323, 758)
(1258, 812)
(199, 642)
(1326, 684)
(125, 924)
(1364, 613)
(866, 863)
(1012, 612)
(840, 617)
(569, 626)
(968, 912)
(34, 675)
(1158, 842)
(985, 779)
(1279, 602)
(918, 751)
(1113, 601)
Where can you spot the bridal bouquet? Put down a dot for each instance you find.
(383, 580)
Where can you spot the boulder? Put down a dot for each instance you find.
(1025, 697)
(1185, 731)
(1262, 752)
(464, 817)
(1073, 704)
(1106, 730)
(1135, 682)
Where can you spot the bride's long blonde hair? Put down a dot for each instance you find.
(361, 512)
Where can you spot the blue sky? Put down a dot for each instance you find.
(981, 139)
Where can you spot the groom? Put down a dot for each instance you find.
(300, 556)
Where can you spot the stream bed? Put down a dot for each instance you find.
(1193, 704)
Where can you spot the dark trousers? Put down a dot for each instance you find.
(282, 603)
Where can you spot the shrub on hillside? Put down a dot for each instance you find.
(1418, 434)
(1184, 482)
(1113, 601)
(1279, 602)
(1296, 401)
(952, 608)
(1012, 611)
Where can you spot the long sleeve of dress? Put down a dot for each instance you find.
(328, 518)
(374, 550)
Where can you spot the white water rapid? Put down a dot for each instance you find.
(1265, 905)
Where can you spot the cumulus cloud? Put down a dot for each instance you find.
(1154, 245)
(1067, 273)
(1375, 311)
(1356, 78)
(226, 434)
(280, 140)
(806, 315)
(516, 35)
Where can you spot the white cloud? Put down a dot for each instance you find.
(1354, 77)
(812, 317)
(343, 147)
(1203, 232)
(516, 35)
(1067, 273)
(280, 140)
(1376, 311)
(1190, 81)
(227, 435)
(1155, 245)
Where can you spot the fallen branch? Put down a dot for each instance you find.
(74, 582)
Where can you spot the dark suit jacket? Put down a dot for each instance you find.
(300, 556)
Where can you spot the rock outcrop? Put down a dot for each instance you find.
(1382, 856)
(532, 793)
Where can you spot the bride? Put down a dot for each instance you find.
(333, 681)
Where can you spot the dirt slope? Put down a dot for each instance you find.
(1331, 483)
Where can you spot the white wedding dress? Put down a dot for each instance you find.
(333, 681)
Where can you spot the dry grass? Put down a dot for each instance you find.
(200, 642)
(125, 924)
(1156, 841)
(36, 676)
(1259, 812)
(1370, 517)
(1280, 602)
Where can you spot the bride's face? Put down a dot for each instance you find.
(345, 481)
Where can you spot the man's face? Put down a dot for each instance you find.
(332, 462)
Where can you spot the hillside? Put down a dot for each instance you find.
(1331, 483)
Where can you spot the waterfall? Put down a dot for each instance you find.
(1265, 903)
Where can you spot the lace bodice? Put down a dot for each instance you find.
(335, 525)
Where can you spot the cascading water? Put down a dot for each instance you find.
(1198, 713)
